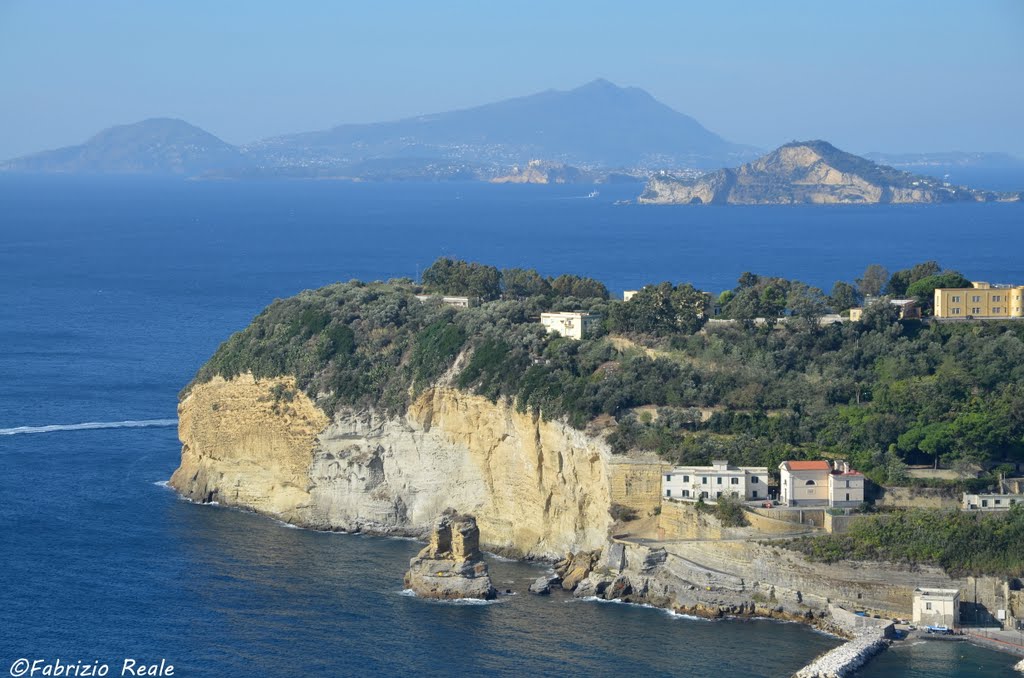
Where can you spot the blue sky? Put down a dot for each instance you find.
(904, 75)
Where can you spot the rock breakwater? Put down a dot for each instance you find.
(847, 658)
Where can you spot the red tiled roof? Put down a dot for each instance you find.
(808, 466)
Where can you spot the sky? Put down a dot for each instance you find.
(867, 75)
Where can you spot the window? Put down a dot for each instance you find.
(704, 480)
(954, 311)
(686, 479)
(996, 310)
(847, 496)
(984, 503)
(754, 494)
(996, 297)
(686, 493)
(719, 479)
(955, 300)
(718, 495)
(809, 482)
(975, 311)
(704, 495)
(754, 480)
(734, 481)
(998, 502)
(927, 606)
(668, 479)
(668, 493)
(975, 299)
(735, 495)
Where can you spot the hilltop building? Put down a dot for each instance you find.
(820, 483)
(937, 607)
(690, 483)
(981, 301)
(908, 308)
(629, 294)
(571, 324)
(456, 302)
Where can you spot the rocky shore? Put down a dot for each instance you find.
(847, 658)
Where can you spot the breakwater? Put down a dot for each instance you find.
(847, 658)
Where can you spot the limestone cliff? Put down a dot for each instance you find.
(537, 488)
(812, 172)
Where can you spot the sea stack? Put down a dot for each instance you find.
(451, 565)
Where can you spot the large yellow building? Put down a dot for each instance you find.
(980, 301)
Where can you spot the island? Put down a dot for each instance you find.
(752, 453)
(810, 172)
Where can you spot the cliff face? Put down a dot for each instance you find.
(812, 172)
(536, 488)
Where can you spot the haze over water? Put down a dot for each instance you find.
(115, 292)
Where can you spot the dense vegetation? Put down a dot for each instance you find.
(959, 542)
(882, 393)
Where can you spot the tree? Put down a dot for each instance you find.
(807, 303)
(901, 280)
(524, 282)
(662, 310)
(924, 289)
(456, 277)
(873, 281)
(568, 285)
(844, 296)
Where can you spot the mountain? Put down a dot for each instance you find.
(810, 172)
(154, 146)
(596, 125)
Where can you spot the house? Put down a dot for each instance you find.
(571, 324)
(991, 502)
(629, 294)
(690, 483)
(937, 607)
(455, 302)
(983, 300)
(908, 308)
(820, 483)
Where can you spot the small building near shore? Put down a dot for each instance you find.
(690, 483)
(571, 324)
(937, 607)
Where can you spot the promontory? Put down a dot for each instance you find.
(814, 172)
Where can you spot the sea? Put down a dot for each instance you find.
(113, 292)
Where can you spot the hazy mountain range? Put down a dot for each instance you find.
(596, 132)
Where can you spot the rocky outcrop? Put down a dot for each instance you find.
(450, 566)
(847, 658)
(542, 585)
(1020, 666)
(537, 488)
(540, 172)
(813, 172)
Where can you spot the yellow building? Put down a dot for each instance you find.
(983, 300)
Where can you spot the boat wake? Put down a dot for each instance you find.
(88, 426)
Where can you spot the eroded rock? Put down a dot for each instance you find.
(451, 565)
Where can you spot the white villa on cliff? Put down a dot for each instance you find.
(571, 324)
(820, 483)
(690, 483)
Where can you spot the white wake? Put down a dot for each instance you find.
(87, 426)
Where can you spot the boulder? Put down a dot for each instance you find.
(576, 567)
(542, 585)
(451, 566)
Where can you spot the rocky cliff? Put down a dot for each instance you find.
(537, 488)
(810, 172)
(451, 566)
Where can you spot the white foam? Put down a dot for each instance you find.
(88, 426)
(616, 601)
(162, 483)
(409, 593)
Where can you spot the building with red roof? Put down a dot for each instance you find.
(820, 483)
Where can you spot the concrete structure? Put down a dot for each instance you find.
(690, 483)
(982, 301)
(991, 502)
(937, 607)
(820, 483)
(456, 302)
(572, 324)
(908, 308)
(629, 294)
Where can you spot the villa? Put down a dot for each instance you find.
(571, 324)
(690, 483)
(981, 301)
(820, 483)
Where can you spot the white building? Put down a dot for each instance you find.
(689, 483)
(991, 502)
(629, 294)
(937, 607)
(819, 483)
(571, 324)
(456, 302)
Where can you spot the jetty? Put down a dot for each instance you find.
(844, 660)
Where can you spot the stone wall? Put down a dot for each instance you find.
(635, 482)
(917, 497)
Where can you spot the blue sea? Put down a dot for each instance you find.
(113, 293)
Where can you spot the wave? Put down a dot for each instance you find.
(88, 426)
(409, 593)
